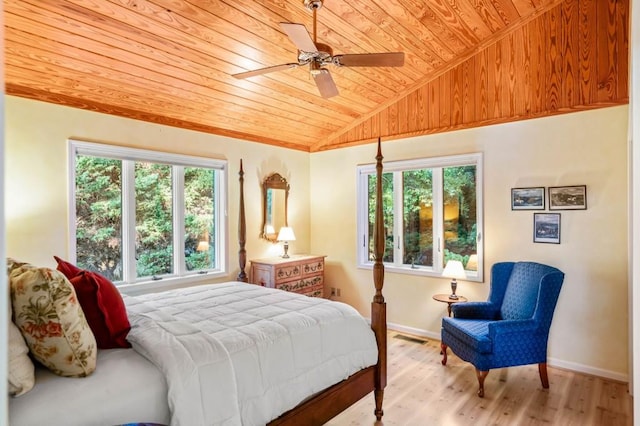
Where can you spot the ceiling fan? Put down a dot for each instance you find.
(318, 55)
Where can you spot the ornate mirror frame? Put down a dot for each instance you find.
(274, 206)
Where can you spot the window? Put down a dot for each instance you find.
(432, 212)
(146, 217)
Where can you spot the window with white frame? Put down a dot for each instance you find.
(432, 210)
(140, 216)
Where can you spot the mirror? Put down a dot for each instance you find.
(275, 192)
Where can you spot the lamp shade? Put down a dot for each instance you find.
(454, 269)
(472, 264)
(286, 234)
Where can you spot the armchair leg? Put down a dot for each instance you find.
(481, 376)
(443, 350)
(542, 368)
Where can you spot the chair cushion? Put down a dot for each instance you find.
(521, 295)
(472, 332)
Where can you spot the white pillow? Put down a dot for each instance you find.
(21, 370)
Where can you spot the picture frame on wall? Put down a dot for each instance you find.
(532, 198)
(546, 228)
(568, 197)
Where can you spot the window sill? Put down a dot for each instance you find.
(423, 271)
(168, 283)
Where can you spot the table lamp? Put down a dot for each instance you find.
(472, 264)
(286, 234)
(454, 270)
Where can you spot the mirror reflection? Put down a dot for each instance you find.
(275, 192)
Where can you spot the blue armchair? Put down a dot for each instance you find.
(512, 327)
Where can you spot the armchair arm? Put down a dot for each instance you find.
(475, 310)
(512, 326)
(517, 342)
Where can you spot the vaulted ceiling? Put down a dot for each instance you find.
(172, 61)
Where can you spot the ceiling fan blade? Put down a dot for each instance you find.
(299, 36)
(390, 59)
(261, 71)
(325, 83)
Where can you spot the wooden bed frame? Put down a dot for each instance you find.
(325, 405)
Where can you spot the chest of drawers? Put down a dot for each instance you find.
(299, 273)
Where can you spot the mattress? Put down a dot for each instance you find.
(219, 354)
(124, 388)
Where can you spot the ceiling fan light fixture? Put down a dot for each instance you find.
(313, 4)
(316, 69)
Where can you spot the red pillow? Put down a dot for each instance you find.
(69, 270)
(102, 305)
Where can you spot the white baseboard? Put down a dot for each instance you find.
(586, 369)
(552, 362)
(414, 331)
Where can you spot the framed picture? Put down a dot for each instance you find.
(568, 197)
(546, 228)
(527, 198)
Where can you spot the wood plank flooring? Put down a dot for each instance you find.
(421, 391)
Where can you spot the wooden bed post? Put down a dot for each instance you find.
(242, 231)
(323, 406)
(378, 306)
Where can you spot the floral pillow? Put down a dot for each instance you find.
(52, 322)
(13, 264)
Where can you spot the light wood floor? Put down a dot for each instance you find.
(421, 391)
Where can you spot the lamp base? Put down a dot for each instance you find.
(454, 287)
(286, 249)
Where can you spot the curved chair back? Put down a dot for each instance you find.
(523, 290)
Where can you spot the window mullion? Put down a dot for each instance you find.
(179, 266)
(220, 216)
(438, 218)
(128, 221)
(398, 223)
(363, 218)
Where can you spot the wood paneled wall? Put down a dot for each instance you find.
(572, 58)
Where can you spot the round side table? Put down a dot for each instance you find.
(446, 299)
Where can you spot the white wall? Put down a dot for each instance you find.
(36, 176)
(589, 331)
(634, 228)
(4, 302)
(590, 327)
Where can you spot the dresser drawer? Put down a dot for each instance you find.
(302, 285)
(287, 273)
(302, 274)
(314, 267)
(315, 291)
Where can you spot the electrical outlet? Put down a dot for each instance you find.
(333, 291)
(338, 292)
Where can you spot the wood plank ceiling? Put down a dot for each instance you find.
(171, 61)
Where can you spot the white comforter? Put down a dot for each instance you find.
(238, 353)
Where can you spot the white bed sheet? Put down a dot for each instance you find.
(281, 348)
(124, 388)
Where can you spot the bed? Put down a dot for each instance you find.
(228, 354)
